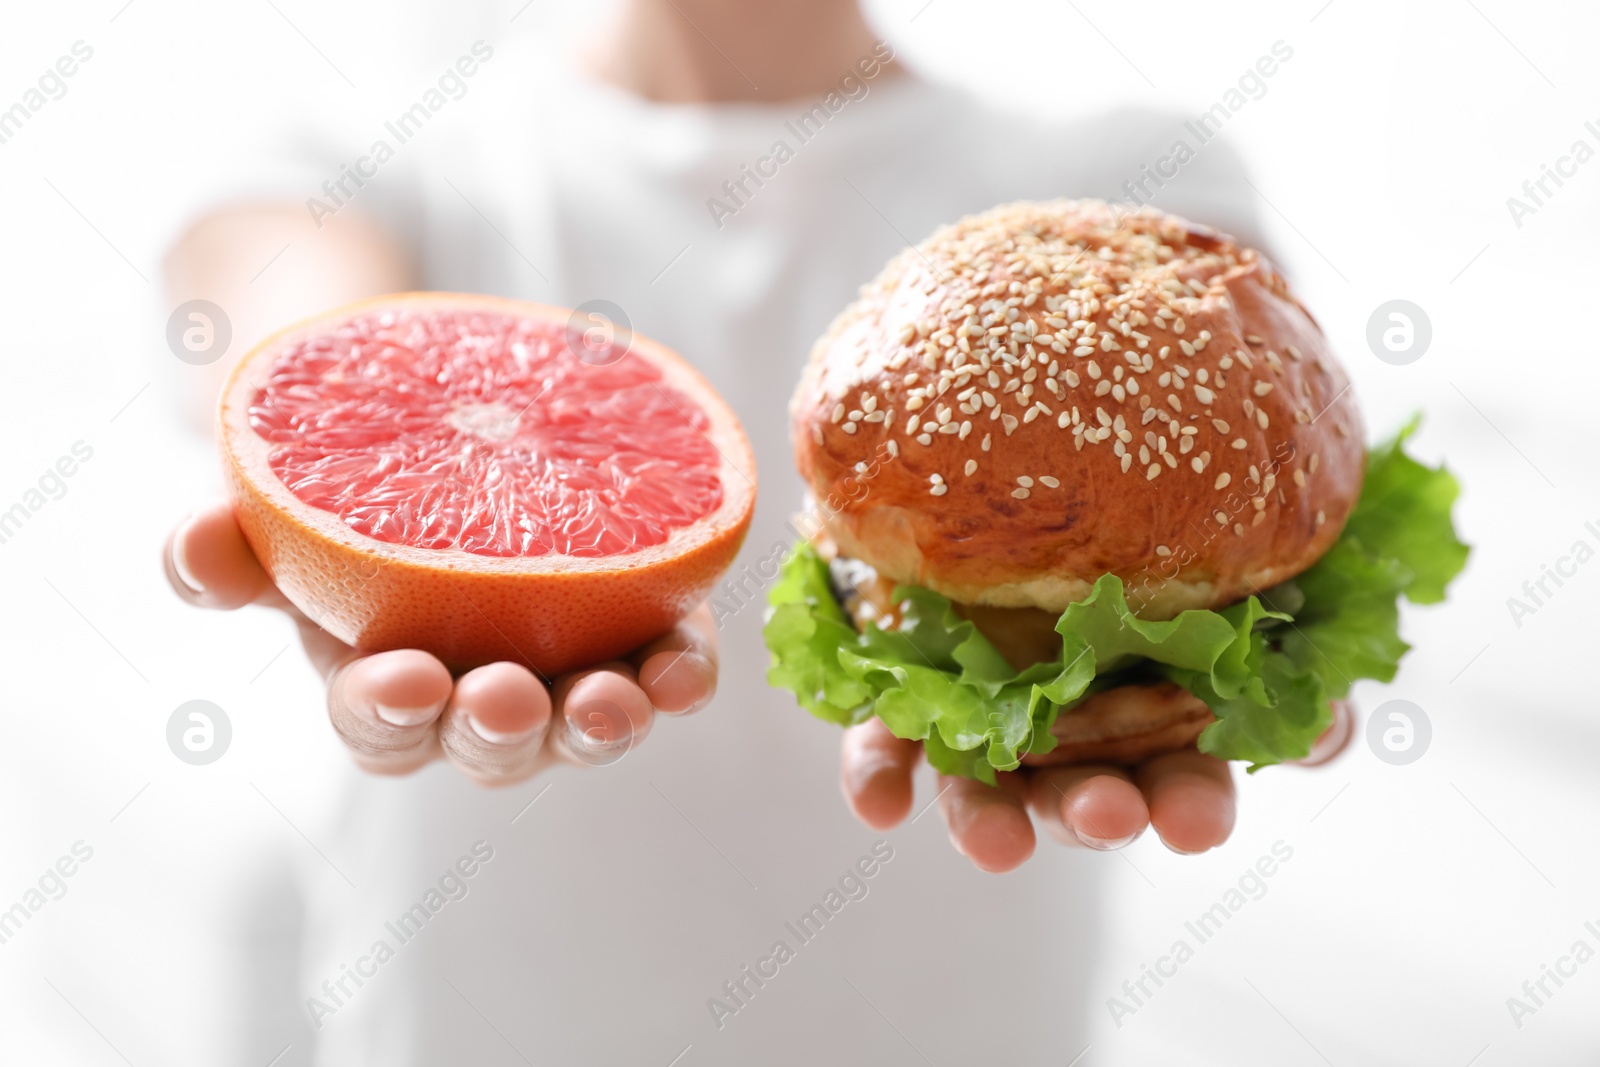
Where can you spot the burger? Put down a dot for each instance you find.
(1090, 482)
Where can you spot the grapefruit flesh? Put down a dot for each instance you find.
(442, 471)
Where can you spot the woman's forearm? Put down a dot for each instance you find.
(267, 265)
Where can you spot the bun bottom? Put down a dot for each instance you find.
(1124, 725)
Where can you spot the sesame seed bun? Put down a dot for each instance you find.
(1048, 392)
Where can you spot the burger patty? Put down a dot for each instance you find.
(1124, 724)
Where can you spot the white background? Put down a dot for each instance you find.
(1419, 898)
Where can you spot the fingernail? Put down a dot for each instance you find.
(498, 737)
(1105, 844)
(860, 774)
(1183, 851)
(181, 565)
(406, 716)
(594, 728)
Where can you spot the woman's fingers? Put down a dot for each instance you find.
(1096, 805)
(678, 671)
(1335, 738)
(1191, 799)
(386, 709)
(603, 713)
(875, 769)
(988, 824)
(210, 564)
(495, 726)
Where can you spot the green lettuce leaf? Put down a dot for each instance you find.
(1399, 540)
(1267, 667)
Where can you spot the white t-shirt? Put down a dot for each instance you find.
(614, 910)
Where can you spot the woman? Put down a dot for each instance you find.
(647, 174)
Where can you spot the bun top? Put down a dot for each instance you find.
(1047, 392)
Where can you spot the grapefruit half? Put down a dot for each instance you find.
(452, 473)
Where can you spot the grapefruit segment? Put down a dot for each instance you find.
(440, 471)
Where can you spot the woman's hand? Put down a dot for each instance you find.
(499, 724)
(1187, 796)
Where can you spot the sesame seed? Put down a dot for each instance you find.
(1127, 461)
(838, 412)
(1222, 480)
(1321, 518)
(971, 466)
(939, 490)
(1312, 463)
(986, 442)
(1219, 425)
(1150, 474)
(1049, 482)
(848, 427)
(1262, 388)
(924, 438)
(1020, 494)
(1163, 550)
(1204, 395)
(1239, 443)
